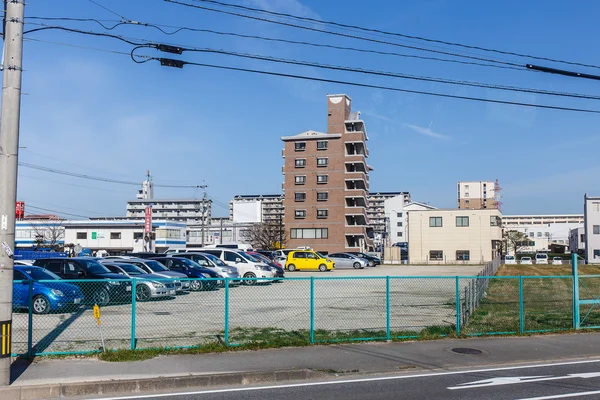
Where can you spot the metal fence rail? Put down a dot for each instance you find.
(294, 310)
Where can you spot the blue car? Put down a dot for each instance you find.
(47, 296)
(205, 277)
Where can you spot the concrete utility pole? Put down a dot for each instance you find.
(9, 147)
(203, 187)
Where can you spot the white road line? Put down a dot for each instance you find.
(563, 396)
(360, 380)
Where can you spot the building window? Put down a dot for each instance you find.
(463, 255)
(495, 220)
(81, 235)
(115, 235)
(399, 224)
(322, 214)
(322, 145)
(399, 215)
(435, 222)
(539, 234)
(436, 255)
(466, 187)
(462, 221)
(596, 206)
(300, 162)
(322, 196)
(309, 233)
(596, 229)
(582, 238)
(300, 146)
(467, 194)
(300, 214)
(301, 196)
(138, 235)
(300, 179)
(322, 162)
(322, 178)
(531, 234)
(399, 234)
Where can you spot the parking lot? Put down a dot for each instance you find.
(344, 300)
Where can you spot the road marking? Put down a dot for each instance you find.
(341, 382)
(563, 396)
(512, 380)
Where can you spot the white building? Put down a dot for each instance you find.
(454, 236)
(478, 195)
(398, 219)
(577, 240)
(28, 233)
(543, 230)
(379, 206)
(256, 208)
(183, 210)
(219, 231)
(592, 229)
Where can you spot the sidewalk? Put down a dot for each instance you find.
(307, 362)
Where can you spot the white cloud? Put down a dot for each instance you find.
(426, 131)
(294, 7)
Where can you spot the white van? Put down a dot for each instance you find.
(233, 246)
(509, 259)
(247, 266)
(541, 258)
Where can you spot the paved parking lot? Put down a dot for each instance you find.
(357, 302)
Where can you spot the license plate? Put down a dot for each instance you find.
(77, 301)
(171, 292)
(128, 288)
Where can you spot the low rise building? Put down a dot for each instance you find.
(577, 240)
(454, 236)
(544, 231)
(182, 210)
(592, 229)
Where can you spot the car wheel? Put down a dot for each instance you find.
(40, 305)
(249, 282)
(371, 264)
(142, 293)
(356, 265)
(101, 297)
(196, 286)
(323, 268)
(291, 267)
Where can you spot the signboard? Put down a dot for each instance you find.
(97, 313)
(20, 210)
(94, 236)
(148, 220)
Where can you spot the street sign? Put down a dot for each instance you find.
(97, 313)
(148, 219)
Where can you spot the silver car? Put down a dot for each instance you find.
(215, 263)
(345, 260)
(149, 286)
(154, 267)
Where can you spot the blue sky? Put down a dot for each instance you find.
(101, 114)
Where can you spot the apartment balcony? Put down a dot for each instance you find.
(355, 158)
(356, 148)
(356, 176)
(355, 230)
(355, 166)
(356, 202)
(356, 211)
(353, 192)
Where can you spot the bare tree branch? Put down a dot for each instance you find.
(48, 235)
(266, 236)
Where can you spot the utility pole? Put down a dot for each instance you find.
(203, 208)
(221, 233)
(9, 148)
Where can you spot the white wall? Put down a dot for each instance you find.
(394, 210)
(250, 211)
(592, 240)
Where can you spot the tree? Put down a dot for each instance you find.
(48, 235)
(266, 236)
(514, 240)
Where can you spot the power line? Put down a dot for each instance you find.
(100, 34)
(107, 9)
(372, 30)
(344, 34)
(70, 184)
(56, 212)
(279, 40)
(180, 64)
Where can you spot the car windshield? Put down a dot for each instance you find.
(510, 257)
(319, 254)
(216, 260)
(40, 274)
(249, 257)
(94, 267)
(190, 263)
(155, 266)
(261, 257)
(131, 269)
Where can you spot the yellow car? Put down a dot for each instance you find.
(306, 260)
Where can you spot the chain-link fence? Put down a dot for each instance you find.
(59, 317)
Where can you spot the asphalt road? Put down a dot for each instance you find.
(575, 380)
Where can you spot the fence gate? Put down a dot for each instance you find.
(586, 298)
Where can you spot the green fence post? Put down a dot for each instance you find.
(388, 327)
(576, 316)
(312, 309)
(133, 311)
(457, 306)
(226, 311)
(521, 307)
(30, 321)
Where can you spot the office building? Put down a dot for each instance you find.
(592, 229)
(478, 195)
(182, 210)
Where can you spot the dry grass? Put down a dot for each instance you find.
(545, 270)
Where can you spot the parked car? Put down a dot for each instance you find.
(509, 259)
(281, 255)
(308, 260)
(246, 265)
(154, 267)
(213, 263)
(276, 268)
(525, 260)
(270, 254)
(541, 258)
(46, 296)
(373, 261)
(346, 260)
(557, 261)
(143, 254)
(202, 277)
(148, 286)
(99, 285)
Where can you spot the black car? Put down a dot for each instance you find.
(373, 261)
(143, 254)
(192, 270)
(98, 284)
(267, 253)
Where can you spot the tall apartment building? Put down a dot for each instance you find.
(256, 208)
(188, 210)
(326, 182)
(592, 229)
(377, 213)
(479, 195)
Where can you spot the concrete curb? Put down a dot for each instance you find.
(158, 384)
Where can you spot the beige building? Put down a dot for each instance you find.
(454, 236)
(478, 195)
(326, 183)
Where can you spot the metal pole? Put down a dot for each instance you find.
(30, 321)
(312, 309)
(9, 144)
(226, 311)
(221, 233)
(133, 311)
(521, 307)
(575, 291)
(457, 282)
(388, 325)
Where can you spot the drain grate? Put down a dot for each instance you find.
(466, 350)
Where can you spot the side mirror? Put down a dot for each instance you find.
(238, 260)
